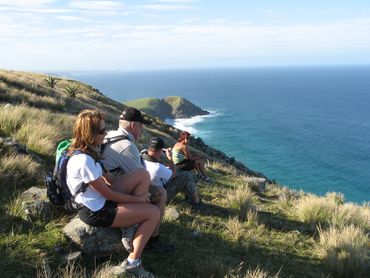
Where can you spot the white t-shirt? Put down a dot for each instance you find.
(81, 168)
(159, 174)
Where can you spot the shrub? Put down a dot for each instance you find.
(51, 81)
(72, 90)
(344, 251)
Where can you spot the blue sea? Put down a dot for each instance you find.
(305, 127)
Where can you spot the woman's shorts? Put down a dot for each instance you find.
(101, 218)
(186, 165)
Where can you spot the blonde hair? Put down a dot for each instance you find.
(86, 127)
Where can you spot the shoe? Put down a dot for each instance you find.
(128, 237)
(137, 270)
(158, 246)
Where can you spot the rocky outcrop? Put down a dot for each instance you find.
(171, 107)
(182, 108)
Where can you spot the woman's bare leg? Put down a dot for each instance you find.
(146, 215)
(200, 166)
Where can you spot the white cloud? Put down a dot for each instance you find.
(189, 20)
(26, 3)
(70, 18)
(269, 12)
(175, 1)
(96, 5)
(120, 45)
(159, 7)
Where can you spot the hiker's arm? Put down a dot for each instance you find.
(170, 164)
(100, 186)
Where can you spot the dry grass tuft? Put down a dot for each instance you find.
(314, 210)
(18, 171)
(345, 251)
(351, 214)
(234, 228)
(335, 197)
(241, 198)
(39, 129)
(250, 273)
(221, 167)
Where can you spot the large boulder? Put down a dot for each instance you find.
(95, 241)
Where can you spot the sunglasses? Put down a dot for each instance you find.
(102, 131)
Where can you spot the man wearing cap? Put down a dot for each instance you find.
(122, 156)
(168, 178)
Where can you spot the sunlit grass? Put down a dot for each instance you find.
(345, 251)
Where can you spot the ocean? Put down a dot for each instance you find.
(305, 127)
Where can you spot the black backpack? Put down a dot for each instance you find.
(56, 184)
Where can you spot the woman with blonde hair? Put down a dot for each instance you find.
(184, 160)
(105, 202)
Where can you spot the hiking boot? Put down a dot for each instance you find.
(128, 237)
(158, 246)
(136, 269)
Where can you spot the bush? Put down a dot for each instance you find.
(344, 251)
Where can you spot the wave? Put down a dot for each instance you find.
(189, 124)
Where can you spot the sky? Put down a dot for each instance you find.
(164, 34)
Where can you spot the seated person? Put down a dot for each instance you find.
(184, 160)
(122, 156)
(168, 178)
(105, 202)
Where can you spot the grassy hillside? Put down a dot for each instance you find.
(240, 233)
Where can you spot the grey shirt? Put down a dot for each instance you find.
(122, 154)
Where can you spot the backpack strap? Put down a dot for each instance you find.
(113, 140)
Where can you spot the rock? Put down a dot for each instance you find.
(12, 144)
(35, 204)
(38, 209)
(96, 241)
(115, 271)
(34, 193)
(258, 184)
(70, 257)
(172, 214)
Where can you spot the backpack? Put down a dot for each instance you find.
(56, 183)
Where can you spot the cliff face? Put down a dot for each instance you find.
(171, 107)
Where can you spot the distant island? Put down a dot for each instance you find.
(171, 107)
